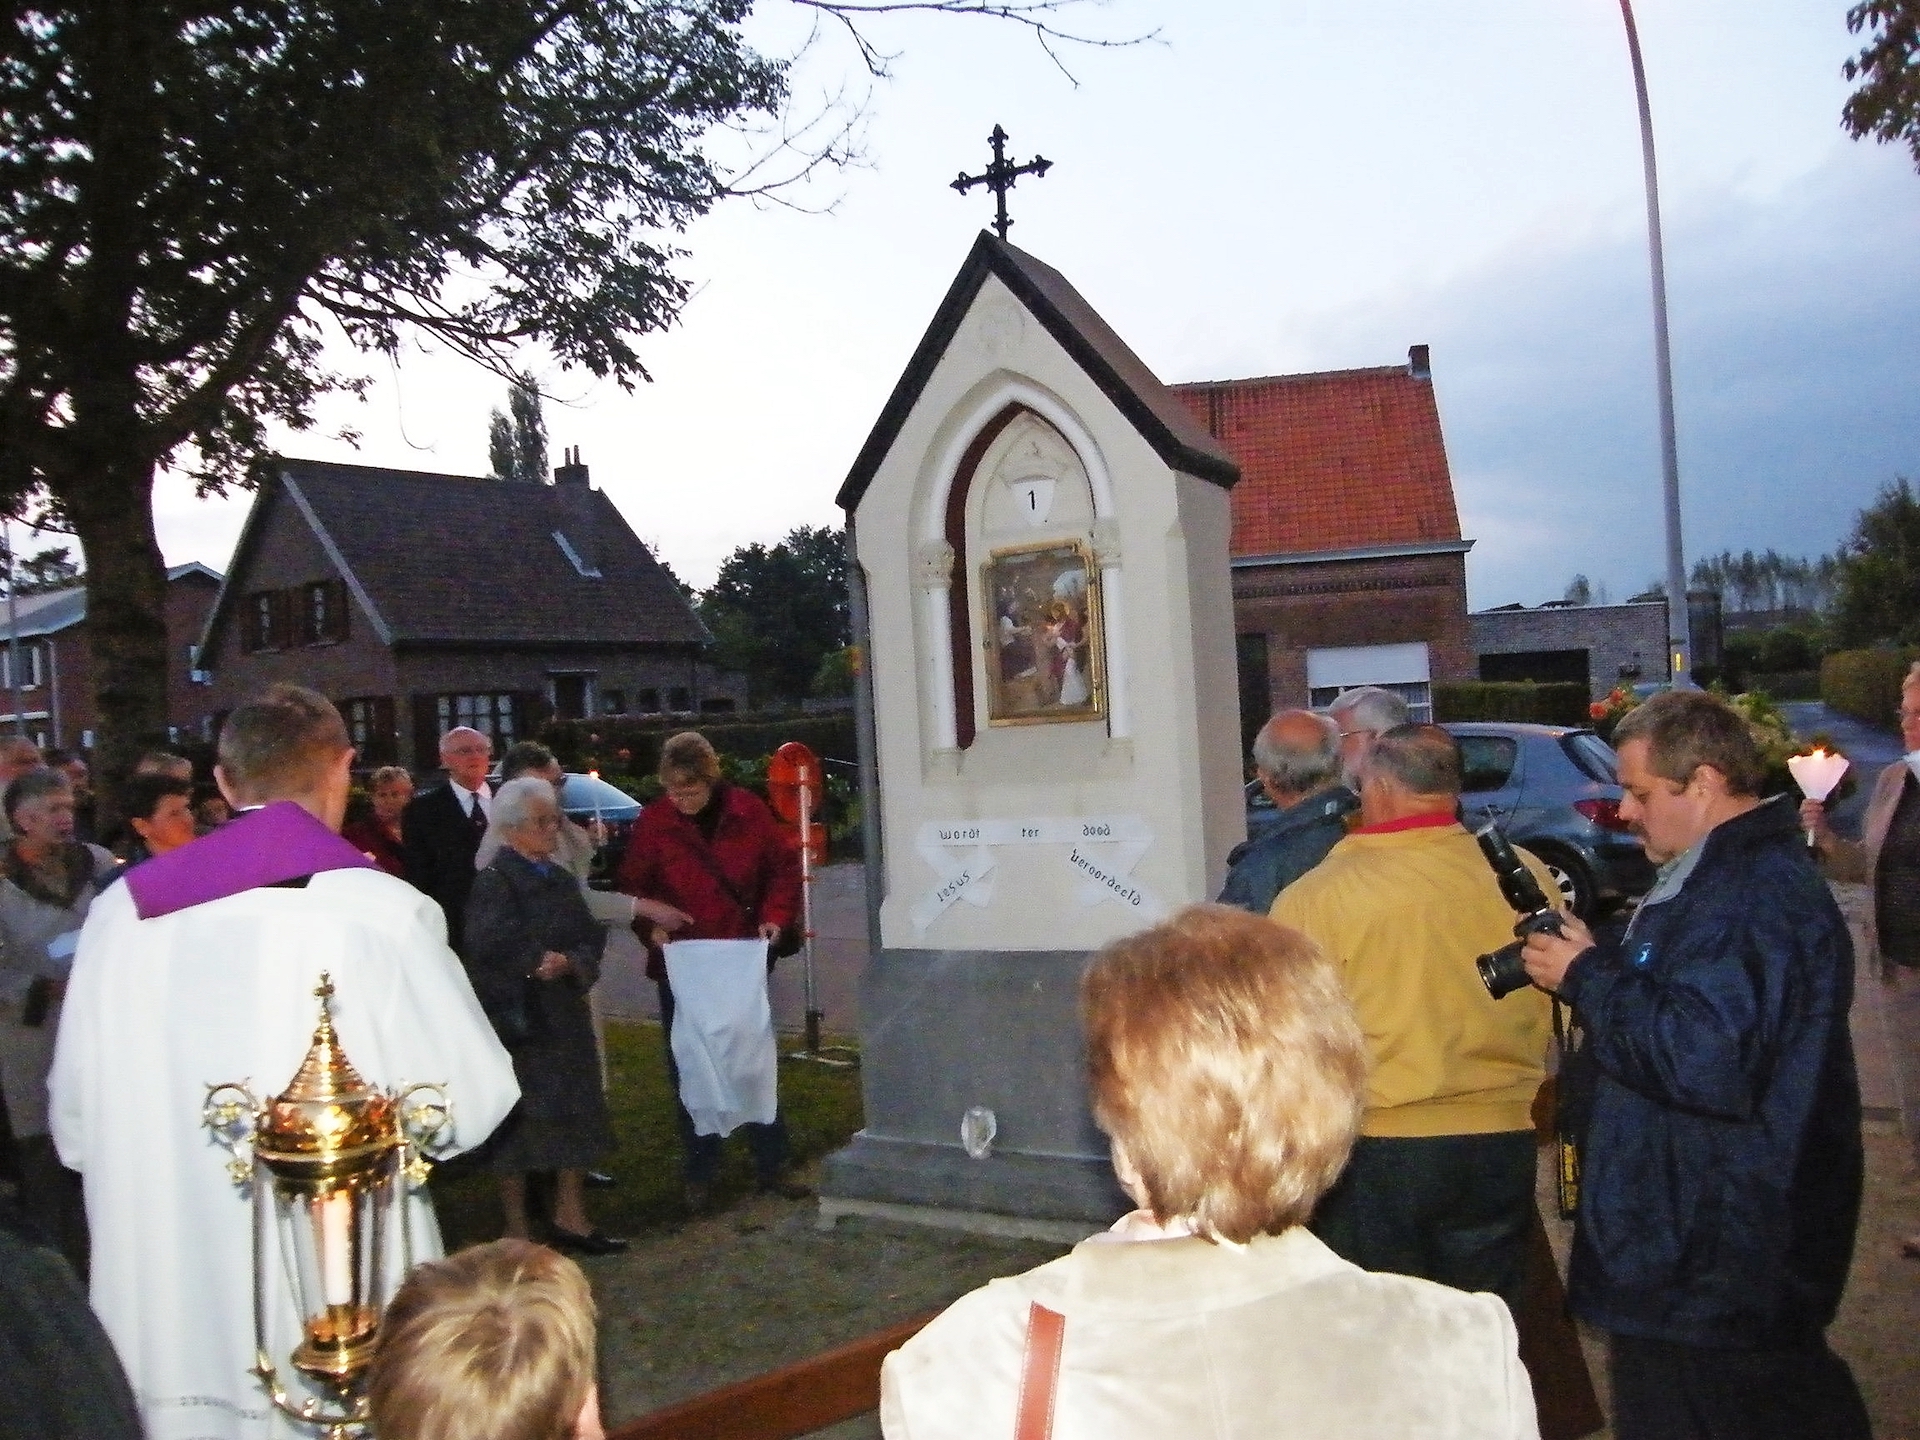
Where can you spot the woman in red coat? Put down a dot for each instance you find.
(716, 852)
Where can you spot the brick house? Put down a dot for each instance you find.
(56, 670)
(1348, 565)
(417, 602)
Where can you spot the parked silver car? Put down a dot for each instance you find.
(1556, 792)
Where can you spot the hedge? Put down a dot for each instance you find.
(1560, 702)
(633, 746)
(1865, 683)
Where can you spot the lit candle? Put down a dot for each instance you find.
(336, 1247)
(594, 775)
(1816, 775)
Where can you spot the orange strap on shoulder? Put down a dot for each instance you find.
(1039, 1373)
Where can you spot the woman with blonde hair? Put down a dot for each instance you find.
(1229, 1074)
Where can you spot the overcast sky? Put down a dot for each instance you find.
(1298, 185)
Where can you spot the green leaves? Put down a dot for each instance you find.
(186, 190)
(1887, 103)
(1879, 597)
(776, 614)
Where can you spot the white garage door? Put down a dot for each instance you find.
(1402, 669)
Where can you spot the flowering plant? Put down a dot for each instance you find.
(1608, 712)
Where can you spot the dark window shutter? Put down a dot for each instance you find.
(338, 626)
(383, 740)
(282, 619)
(426, 732)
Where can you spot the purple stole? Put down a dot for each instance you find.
(269, 846)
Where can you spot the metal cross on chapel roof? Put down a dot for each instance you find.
(999, 178)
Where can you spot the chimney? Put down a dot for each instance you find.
(1418, 365)
(571, 471)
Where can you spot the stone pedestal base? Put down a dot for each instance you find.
(942, 1031)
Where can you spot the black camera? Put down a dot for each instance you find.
(1503, 971)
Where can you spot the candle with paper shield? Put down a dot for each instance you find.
(594, 775)
(1816, 775)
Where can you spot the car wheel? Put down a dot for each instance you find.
(1575, 885)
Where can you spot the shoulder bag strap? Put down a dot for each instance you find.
(698, 847)
(1039, 1373)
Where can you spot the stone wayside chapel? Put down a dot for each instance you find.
(1042, 533)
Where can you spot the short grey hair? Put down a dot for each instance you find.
(1423, 759)
(1371, 708)
(1294, 771)
(515, 802)
(523, 757)
(31, 785)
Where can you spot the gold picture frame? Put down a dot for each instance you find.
(1045, 660)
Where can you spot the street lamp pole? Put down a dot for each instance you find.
(1679, 632)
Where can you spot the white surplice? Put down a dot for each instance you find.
(160, 1009)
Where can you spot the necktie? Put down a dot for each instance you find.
(478, 817)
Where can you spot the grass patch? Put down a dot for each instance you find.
(821, 1106)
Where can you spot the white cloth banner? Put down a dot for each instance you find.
(723, 1033)
(1101, 849)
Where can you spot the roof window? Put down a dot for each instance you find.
(591, 572)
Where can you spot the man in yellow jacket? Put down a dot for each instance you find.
(1441, 1181)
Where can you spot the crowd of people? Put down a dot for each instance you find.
(1323, 1117)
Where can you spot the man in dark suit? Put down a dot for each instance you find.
(441, 828)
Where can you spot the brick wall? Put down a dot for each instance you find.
(1633, 636)
(1354, 602)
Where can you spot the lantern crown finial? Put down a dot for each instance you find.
(329, 1116)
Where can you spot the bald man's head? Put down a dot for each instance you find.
(1296, 753)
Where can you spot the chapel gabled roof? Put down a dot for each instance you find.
(1335, 461)
(457, 560)
(1162, 421)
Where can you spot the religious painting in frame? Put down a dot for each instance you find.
(1043, 635)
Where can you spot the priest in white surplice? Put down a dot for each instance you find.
(200, 968)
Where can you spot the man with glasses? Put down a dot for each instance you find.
(1363, 716)
(440, 829)
(1723, 1165)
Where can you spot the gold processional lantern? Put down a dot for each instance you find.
(330, 1160)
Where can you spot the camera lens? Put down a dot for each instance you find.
(1504, 972)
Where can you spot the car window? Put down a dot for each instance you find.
(1593, 755)
(1487, 760)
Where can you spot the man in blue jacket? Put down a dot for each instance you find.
(1723, 1161)
(1296, 756)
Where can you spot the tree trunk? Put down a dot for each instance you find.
(112, 514)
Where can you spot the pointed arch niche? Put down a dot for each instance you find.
(1022, 471)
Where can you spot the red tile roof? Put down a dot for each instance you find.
(1334, 461)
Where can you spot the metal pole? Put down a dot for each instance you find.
(1679, 631)
(806, 911)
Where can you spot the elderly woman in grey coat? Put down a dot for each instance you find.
(47, 883)
(533, 952)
